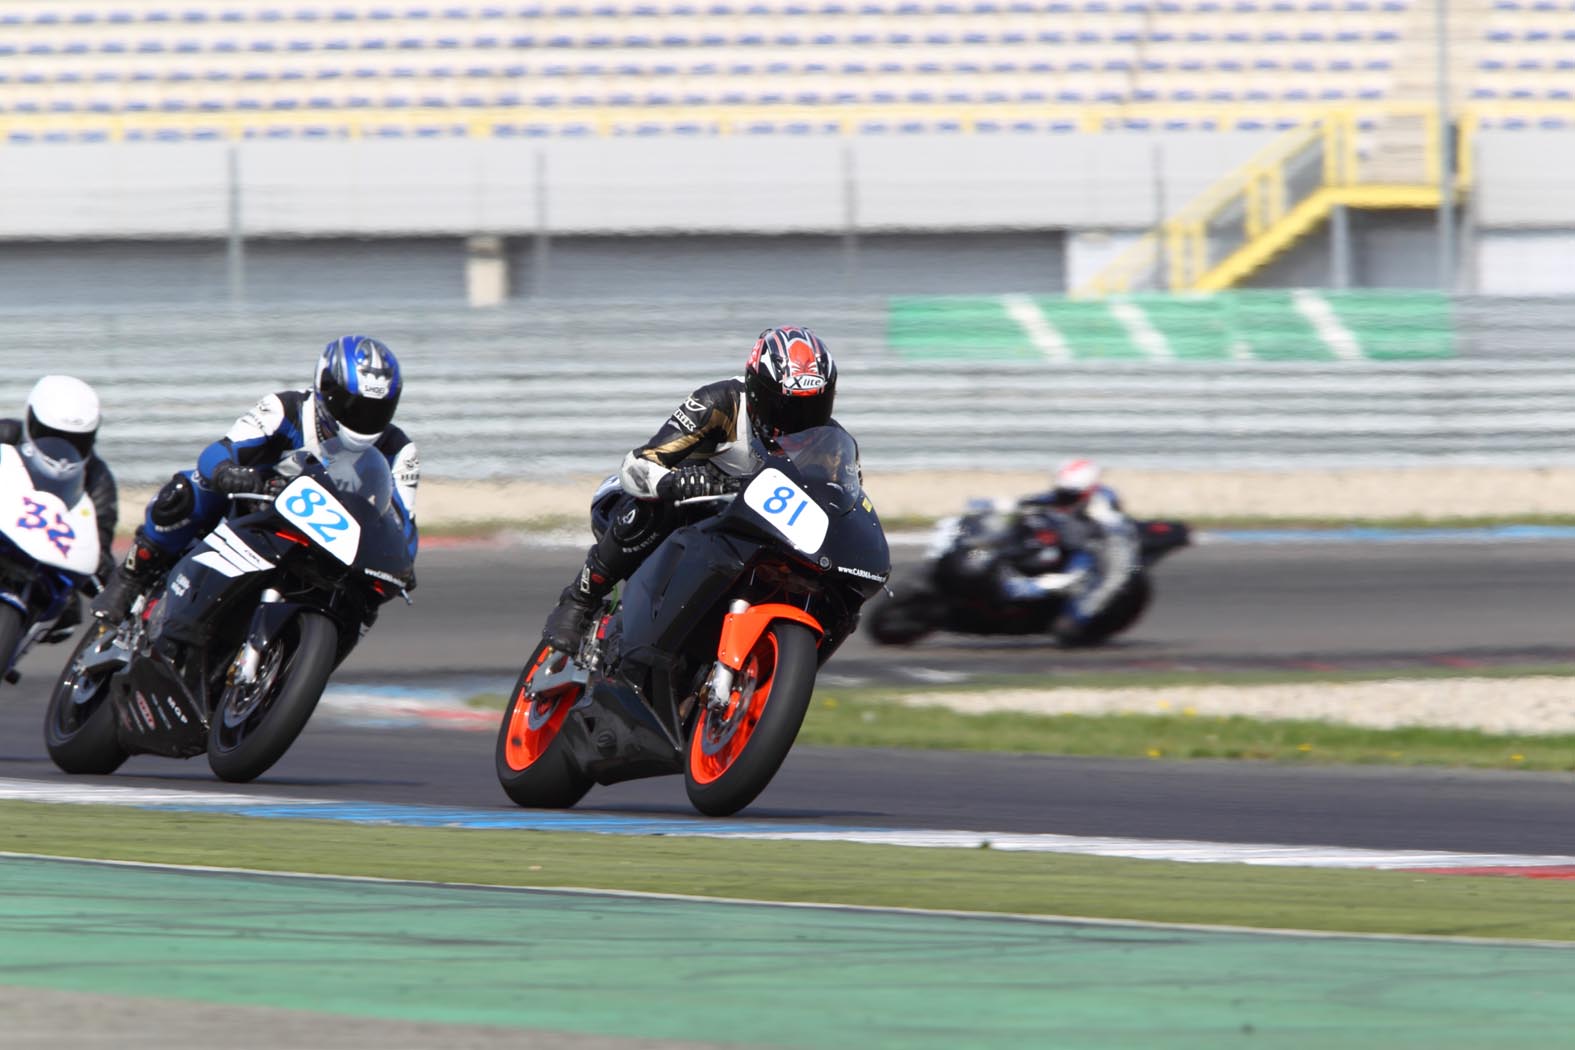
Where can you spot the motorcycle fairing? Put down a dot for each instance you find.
(201, 591)
(683, 580)
(40, 524)
(157, 713)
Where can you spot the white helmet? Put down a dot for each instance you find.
(1075, 481)
(63, 407)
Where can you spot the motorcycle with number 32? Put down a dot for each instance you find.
(48, 543)
(704, 665)
(229, 652)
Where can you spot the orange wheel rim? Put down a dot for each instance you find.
(534, 724)
(720, 736)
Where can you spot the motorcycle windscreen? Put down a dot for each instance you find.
(335, 494)
(827, 459)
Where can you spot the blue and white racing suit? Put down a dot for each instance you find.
(277, 426)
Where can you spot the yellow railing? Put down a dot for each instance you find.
(1249, 216)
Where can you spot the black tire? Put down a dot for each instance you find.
(252, 727)
(722, 775)
(10, 635)
(1127, 608)
(533, 762)
(905, 618)
(79, 724)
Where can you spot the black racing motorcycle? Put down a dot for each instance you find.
(229, 652)
(955, 589)
(705, 663)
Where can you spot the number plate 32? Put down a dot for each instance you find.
(788, 508)
(321, 517)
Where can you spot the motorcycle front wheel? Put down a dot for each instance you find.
(79, 724)
(10, 635)
(737, 747)
(533, 764)
(905, 618)
(255, 723)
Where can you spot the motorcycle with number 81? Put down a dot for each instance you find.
(705, 664)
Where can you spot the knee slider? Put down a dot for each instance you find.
(174, 503)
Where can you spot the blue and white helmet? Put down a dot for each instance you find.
(358, 386)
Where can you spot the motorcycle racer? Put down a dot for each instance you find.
(65, 407)
(351, 401)
(1081, 514)
(789, 385)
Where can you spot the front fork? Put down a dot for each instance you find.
(741, 630)
(244, 670)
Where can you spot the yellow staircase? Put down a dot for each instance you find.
(1261, 209)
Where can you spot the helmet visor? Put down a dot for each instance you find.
(1067, 497)
(789, 415)
(81, 441)
(364, 415)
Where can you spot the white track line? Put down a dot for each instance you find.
(592, 891)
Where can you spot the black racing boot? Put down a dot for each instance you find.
(131, 577)
(571, 618)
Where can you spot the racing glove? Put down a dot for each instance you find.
(232, 477)
(693, 480)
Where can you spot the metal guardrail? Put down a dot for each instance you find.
(569, 387)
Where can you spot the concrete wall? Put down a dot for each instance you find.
(1525, 262)
(1524, 179)
(635, 217)
(460, 187)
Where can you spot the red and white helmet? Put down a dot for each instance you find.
(1075, 481)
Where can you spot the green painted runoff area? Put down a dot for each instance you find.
(1257, 325)
(753, 974)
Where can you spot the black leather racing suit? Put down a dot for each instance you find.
(100, 484)
(711, 426)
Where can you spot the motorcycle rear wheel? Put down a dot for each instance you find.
(79, 724)
(254, 725)
(533, 764)
(734, 752)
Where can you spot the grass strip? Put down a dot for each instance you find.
(869, 717)
(837, 723)
(837, 873)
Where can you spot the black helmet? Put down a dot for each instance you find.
(358, 387)
(790, 382)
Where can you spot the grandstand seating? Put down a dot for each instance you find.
(564, 66)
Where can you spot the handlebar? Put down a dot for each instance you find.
(260, 497)
(724, 498)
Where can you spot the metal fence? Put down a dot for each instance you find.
(567, 388)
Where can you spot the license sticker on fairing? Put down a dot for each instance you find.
(775, 497)
(321, 517)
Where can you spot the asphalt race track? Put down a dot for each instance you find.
(477, 611)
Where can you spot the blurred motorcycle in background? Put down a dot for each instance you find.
(981, 577)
